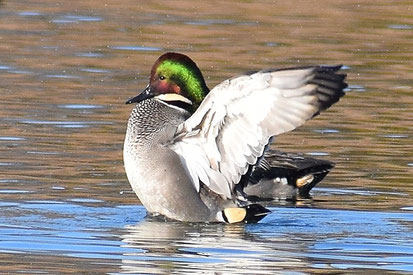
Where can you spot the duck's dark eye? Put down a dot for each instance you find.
(161, 77)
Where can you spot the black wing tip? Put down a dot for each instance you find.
(329, 68)
(330, 83)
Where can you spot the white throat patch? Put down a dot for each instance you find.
(173, 97)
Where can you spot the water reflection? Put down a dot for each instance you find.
(84, 231)
(294, 240)
(170, 247)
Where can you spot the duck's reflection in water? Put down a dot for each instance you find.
(175, 247)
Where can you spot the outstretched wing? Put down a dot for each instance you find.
(234, 123)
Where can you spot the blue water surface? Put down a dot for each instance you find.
(289, 239)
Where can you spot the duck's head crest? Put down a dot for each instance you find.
(175, 78)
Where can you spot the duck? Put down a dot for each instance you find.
(193, 154)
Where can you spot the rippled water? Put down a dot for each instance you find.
(66, 69)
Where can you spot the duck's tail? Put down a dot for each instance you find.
(251, 213)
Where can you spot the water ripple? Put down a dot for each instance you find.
(63, 76)
(80, 106)
(65, 124)
(319, 154)
(11, 138)
(29, 13)
(400, 27)
(326, 131)
(289, 239)
(4, 67)
(90, 54)
(94, 70)
(356, 88)
(67, 19)
(136, 48)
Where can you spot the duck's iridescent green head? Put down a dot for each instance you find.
(177, 80)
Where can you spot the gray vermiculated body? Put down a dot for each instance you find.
(155, 172)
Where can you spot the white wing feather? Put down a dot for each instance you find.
(232, 126)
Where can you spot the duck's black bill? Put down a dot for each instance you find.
(145, 94)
